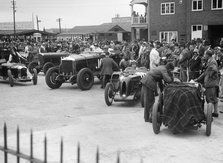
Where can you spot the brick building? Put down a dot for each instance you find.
(184, 20)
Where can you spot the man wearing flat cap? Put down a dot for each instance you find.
(211, 81)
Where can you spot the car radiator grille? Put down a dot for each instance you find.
(67, 67)
(23, 72)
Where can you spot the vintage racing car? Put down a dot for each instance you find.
(181, 106)
(16, 72)
(76, 68)
(44, 61)
(125, 85)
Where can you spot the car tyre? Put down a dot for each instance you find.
(209, 118)
(109, 94)
(47, 66)
(35, 77)
(31, 66)
(50, 78)
(11, 81)
(156, 118)
(85, 79)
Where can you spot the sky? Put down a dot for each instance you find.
(72, 12)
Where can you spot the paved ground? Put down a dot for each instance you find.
(82, 116)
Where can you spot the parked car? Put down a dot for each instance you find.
(76, 68)
(14, 72)
(125, 86)
(44, 61)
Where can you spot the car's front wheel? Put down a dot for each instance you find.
(35, 76)
(11, 81)
(109, 93)
(31, 66)
(47, 66)
(85, 79)
(51, 76)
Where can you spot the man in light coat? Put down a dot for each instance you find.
(154, 56)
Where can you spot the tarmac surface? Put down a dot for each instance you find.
(82, 116)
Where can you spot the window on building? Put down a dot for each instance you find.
(167, 8)
(196, 31)
(168, 36)
(197, 5)
(217, 4)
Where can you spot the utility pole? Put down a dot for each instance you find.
(37, 22)
(59, 20)
(13, 9)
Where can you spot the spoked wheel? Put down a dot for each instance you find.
(85, 79)
(35, 76)
(209, 118)
(156, 119)
(109, 93)
(31, 66)
(51, 76)
(11, 81)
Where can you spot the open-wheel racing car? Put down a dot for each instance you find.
(125, 85)
(16, 72)
(44, 61)
(76, 68)
(181, 106)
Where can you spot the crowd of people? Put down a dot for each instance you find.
(196, 60)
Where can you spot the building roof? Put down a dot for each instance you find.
(24, 32)
(103, 28)
(138, 2)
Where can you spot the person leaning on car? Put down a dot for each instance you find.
(149, 86)
(107, 67)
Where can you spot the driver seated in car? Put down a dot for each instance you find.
(14, 56)
(133, 66)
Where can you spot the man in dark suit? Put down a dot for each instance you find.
(107, 67)
(149, 86)
(195, 65)
(200, 47)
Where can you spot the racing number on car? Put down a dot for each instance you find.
(99, 63)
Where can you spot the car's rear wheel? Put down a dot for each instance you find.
(35, 76)
(11, 81)
(109, 93)
(156, 118)
(31, 66)
(85, 79)
(47, 66)
(209, 118)
(51, 76)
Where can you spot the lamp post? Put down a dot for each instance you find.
(59, 20)
(37, 22)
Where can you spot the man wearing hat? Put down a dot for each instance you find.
(195, 65)
(211, 81)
